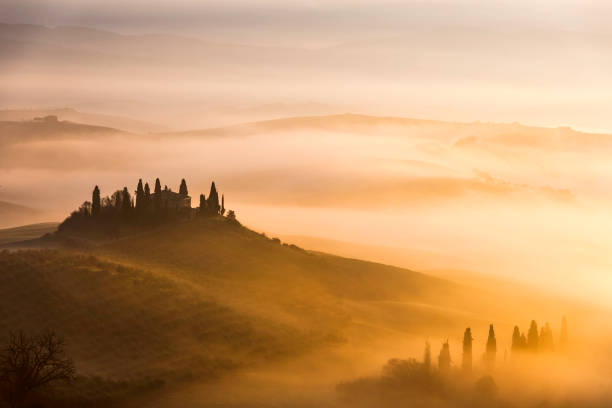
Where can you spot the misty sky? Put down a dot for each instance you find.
(306, 23)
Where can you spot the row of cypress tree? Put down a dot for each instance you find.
(147, 203)
(535, 342)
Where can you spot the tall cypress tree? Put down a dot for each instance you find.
(183, 188)
(532, 337)
(444, 358)
(213, 200)
(126, 201)
(222, 204)
(516, 340)
(202, 204)
(140, 196)
(427, 356)
(157, 195)
(491, 349)
(95, 201)
(467, 350)
(147, 196)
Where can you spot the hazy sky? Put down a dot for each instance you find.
(305, 22)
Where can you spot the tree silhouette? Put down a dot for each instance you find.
(517, 343)
(532, 337)
(157, 195)
(546, 338)
(126, 202)
(491, 349)
(444, 358)
(140, 196)
(222, 204)
(147, 196)
(183, 188)
(563, 335)
(202, 204)
(213, 200)
(467, 350)
(28, 363)
(231, 215)
(426, 355)
(95, 201)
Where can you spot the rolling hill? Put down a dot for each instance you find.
(75, 116)
(206, 299)
(46, 130)
(26, 232)
(12, 214)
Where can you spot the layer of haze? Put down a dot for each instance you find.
(505, 200)
(542, 63)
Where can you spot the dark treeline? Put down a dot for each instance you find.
(144, 207)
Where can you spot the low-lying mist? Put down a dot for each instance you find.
(504, 200)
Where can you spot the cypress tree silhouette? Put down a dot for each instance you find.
(95, 201)
(202, 204)
(546, 338)
(126, 202)
(532, 337)
(213, 200)
(444, 358)
(147, 196)
(222, 204)
(467, 350)
(183, 188)
(563, 335)
(516, 340)
(427, 356)
(157, 195)
(140, 196)
(491, 352)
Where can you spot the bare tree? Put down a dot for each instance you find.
(28, 363)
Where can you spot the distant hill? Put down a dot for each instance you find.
(12, 214)
(481, 136)
(73, 115)
(26, 232)
(50, 129)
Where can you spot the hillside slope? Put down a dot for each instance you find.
(196, 299)
(12, 214)
(26, 232)
(21, 132)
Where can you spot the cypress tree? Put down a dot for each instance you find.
(467, 350)
(516, 340)
(444, 358)
(157, 195)
(147, 196)
(532, 336)
(183, 188)
(427, 356)
(126, 201)
(202, 204)
(213, 200)
(140, 196)
(95, 201)
(222, 204)
(491, 349)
